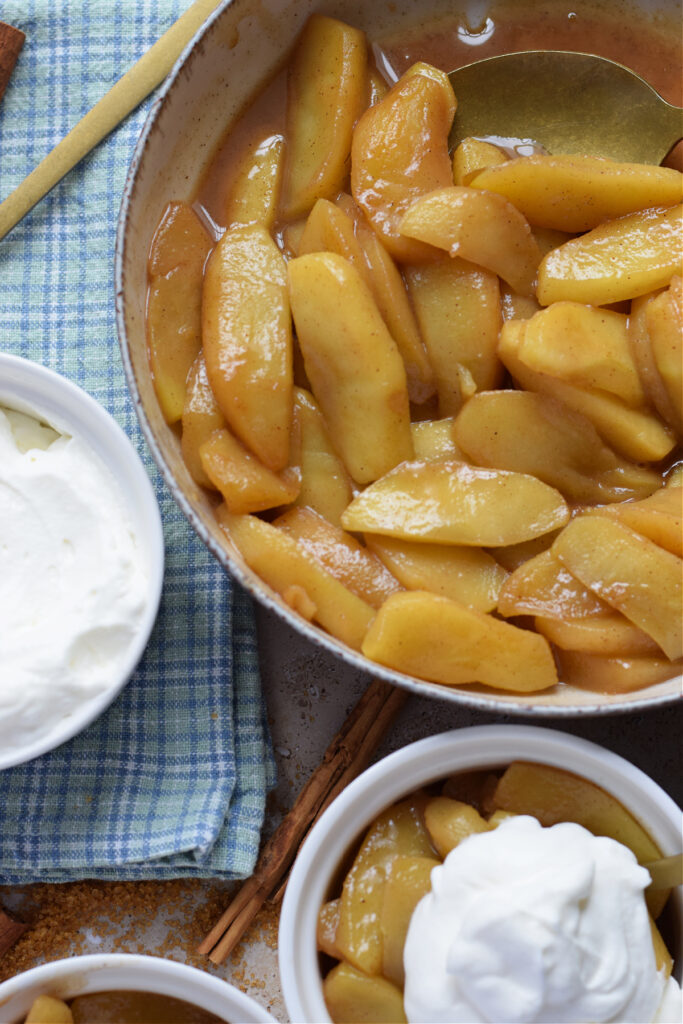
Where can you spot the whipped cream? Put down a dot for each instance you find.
(528, 924)
(73, 581)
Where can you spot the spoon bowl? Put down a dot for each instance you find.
(567, 103)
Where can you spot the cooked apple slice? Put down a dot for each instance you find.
(353, 364)
(247, 340)
(606, 635)
(174, 325)
(295, 574)
(431, 637)
(478, 226)
(472, 156)
(399, 830)
(341, 554)
(255, 189)
(201, 417)
(433, 439)
(408, 880)
(326, 932)
(450, 821)
(618, 260)
(604, 674)
(468, 575)
(664, 317)
(544, 586)
(49, 1010)
(636, 433)
(643, 357)
(400, 152)
(458, 310)
(659, 517)
(325, 484)
(353, 997)
(629, 572)
(536, 434)
(584, 346)
(576, 193)
(326, 91)
(448, 502)
(245, 483)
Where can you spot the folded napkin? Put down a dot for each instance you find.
(171, 780)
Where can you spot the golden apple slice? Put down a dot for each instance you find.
(659, 517)
(201, 417)
(664, 317)
(330, 229)
(400, 152)
(433, 439)
(255, 189)
(515, 306)
(325, 484)
(458, 310)
(408, 880)
(576, 193)
(326, 932)
(326, 92)
(478, 226)
(643, 357)
(536, 434)
(397, 831)
(584, 346)
(472, 156)
(629, 572)
(352, 362)
(618, 260)
(544, 586)
(448, 502)
(341, 554)
(428, 636)
(553, 795)
(353, 997)
(513, 556)
(283, 565)
(176, 264)
(245, 483)
(607, 635)
(604, 674)
(49, 1010)
(468, 575)
(636, 433)
(450, 821)
(247, 340)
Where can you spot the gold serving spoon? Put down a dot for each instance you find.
(566, 102)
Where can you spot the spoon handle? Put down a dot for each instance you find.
(115, 105)
(666, 872)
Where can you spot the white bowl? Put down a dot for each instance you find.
(487, 746)
(121, 971)
(31, 388)
(238, 49)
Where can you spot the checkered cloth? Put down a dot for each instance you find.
(171, 781)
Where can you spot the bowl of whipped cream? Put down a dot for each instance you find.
(81, 559)
(429, 891)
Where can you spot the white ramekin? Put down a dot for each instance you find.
(122, 971)
(31, 388)
(436, 757)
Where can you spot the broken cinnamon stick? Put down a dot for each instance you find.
(10, 931)
(11, 42)
(349, 752)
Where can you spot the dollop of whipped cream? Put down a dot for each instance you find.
(528, 924)
(73, 581)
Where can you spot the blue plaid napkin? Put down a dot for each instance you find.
(171, 781)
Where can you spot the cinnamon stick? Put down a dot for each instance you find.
(348, 753)
(11, 42)
(10, 931)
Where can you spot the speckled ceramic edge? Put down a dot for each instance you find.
(546, 705)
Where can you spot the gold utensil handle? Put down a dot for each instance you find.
(124, 96)
(667, 872)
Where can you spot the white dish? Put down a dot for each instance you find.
(31, 388)
(121, 971)
(436, 757)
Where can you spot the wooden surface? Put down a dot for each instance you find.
(11, 42)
